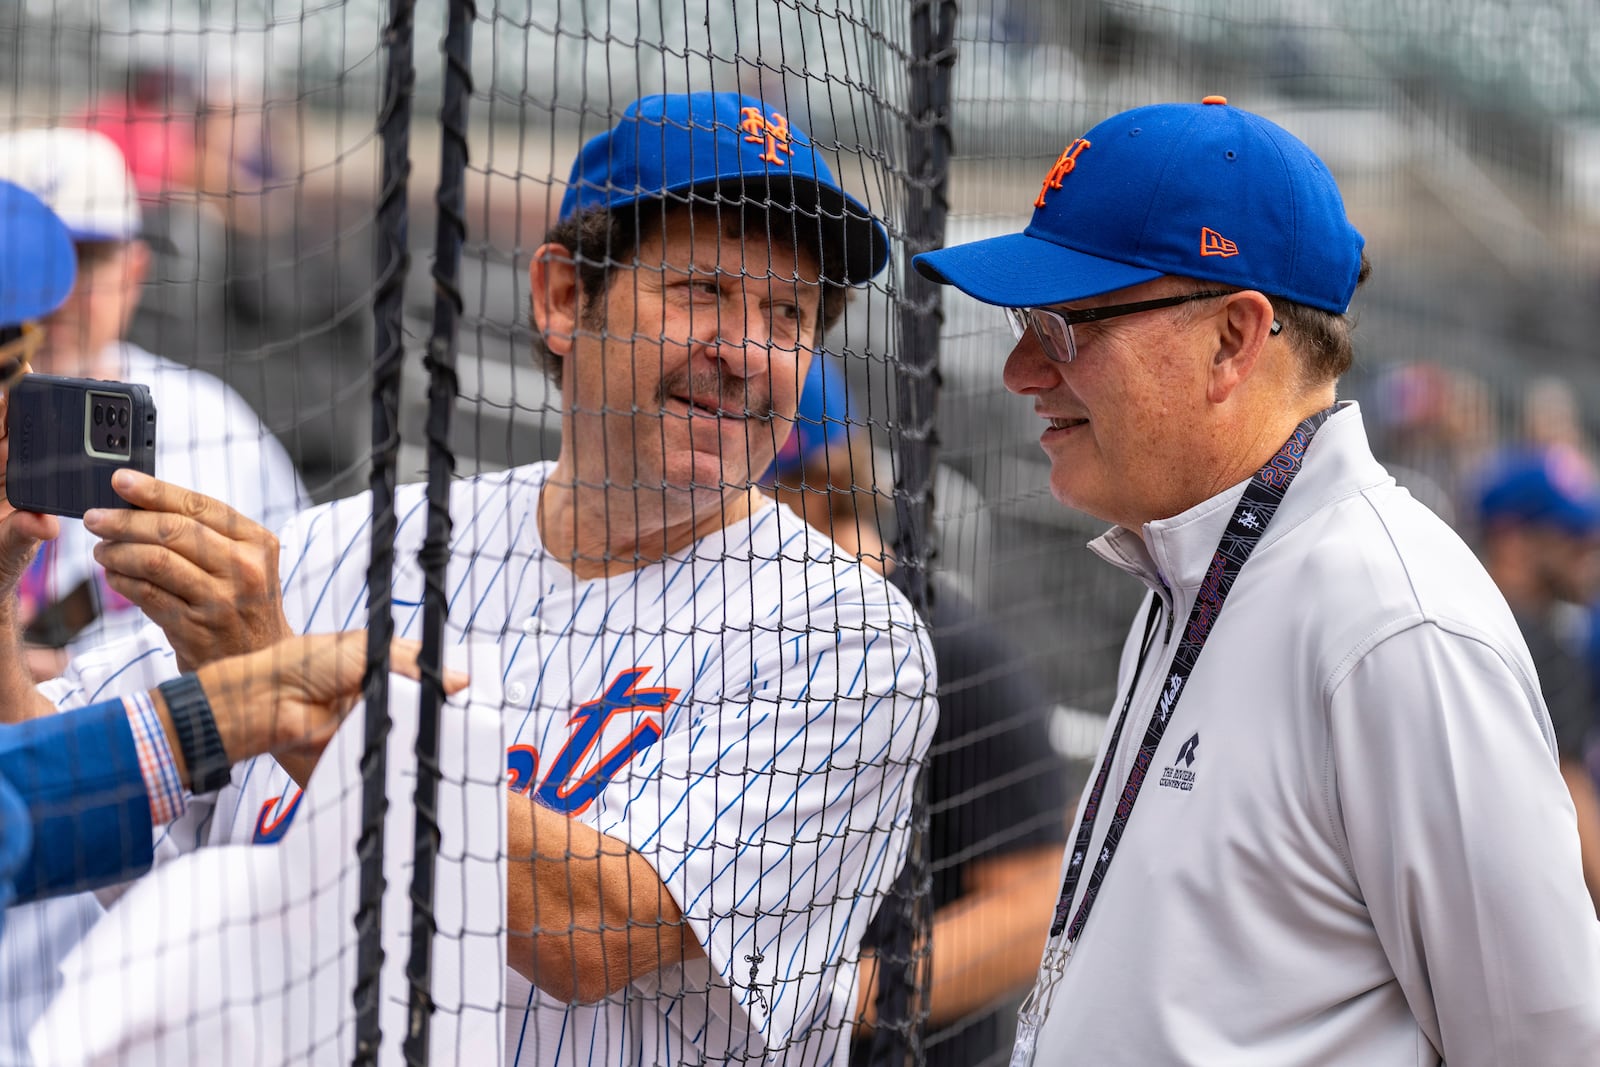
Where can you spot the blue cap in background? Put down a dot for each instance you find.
(37, 263)
(1198, 190)
(823, 420)
(734, 147)
(1541, 487)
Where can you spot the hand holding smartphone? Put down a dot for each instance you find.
(67, 437)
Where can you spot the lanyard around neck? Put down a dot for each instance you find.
(1250, 519)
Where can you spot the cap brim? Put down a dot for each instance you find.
(854, 245)
(1016, 270)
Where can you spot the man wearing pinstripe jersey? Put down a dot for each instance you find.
(713, 718)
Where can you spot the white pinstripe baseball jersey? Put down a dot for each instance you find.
(747, 714)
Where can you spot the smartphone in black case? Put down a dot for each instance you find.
(68, 435)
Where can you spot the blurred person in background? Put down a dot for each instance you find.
(996, 789)
(1552, 419)
(1538, 512)
(207, 438)
(152, 123)
(1432, 425)
(257, 281)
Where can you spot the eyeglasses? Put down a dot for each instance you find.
(1054, 328)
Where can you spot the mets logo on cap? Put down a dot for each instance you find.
(1064, 165)
(772, 132)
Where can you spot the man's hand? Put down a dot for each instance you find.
(20, 535)
(287, 700)
(20, 531)
(205, 574)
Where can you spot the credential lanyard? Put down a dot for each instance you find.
(1250, 519)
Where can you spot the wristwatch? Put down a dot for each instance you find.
(196, 728)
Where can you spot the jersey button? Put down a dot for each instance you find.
(533, 627)
(516, 692)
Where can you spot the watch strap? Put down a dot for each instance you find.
(196, 727)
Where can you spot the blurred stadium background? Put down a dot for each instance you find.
(1464, 133)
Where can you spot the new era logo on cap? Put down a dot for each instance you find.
(1213, 243)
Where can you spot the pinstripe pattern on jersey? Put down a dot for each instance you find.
(775, 805)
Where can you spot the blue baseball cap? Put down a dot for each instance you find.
(1198, 190)
(1541, 487)
(37, 261)
(731, 147)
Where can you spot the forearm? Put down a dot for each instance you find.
(586, 913)
(20, 700)
(1586, 799)
(986, 944)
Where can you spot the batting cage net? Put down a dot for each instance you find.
(756, 667)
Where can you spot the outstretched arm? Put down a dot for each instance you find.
(94, 780)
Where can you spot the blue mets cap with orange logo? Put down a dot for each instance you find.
(734, 148)
(37, 263)
(1198, 190)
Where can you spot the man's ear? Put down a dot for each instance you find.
(555, 297)
(1245, 328)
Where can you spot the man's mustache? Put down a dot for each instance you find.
(715, 388)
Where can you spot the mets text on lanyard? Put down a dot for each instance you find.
(1250, 520)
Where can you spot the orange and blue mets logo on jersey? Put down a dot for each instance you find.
(567, 785)
(574, 778)
(272, 822)
(1064, 165)
(770, 131)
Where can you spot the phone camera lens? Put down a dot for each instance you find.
(99, 415)
(122, 417)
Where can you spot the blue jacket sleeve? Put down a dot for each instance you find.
(78, 776)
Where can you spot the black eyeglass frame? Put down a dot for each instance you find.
(1022, 318)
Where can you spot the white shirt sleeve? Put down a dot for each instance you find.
(780, 818)
(249, 951)
(1463, 840)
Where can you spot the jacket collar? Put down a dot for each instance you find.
(1175, 553)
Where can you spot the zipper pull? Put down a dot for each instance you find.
(1167, 607)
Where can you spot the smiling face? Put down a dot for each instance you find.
(1129, 430)
(683, 378)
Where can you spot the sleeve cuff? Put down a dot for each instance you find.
(168, 800)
